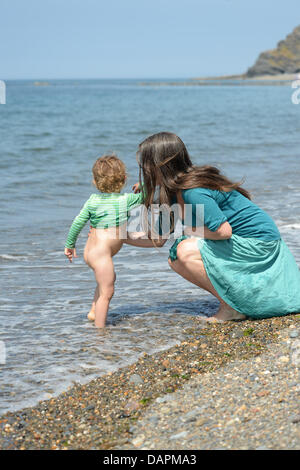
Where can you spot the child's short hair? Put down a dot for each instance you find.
(109, 174)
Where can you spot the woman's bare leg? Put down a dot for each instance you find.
(189, 265)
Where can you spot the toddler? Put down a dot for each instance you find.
(108, 212)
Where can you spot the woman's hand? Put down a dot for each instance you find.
(70, 253)
(136, 188)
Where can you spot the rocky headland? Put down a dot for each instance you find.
(284, 59)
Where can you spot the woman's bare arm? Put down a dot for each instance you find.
(222, 233)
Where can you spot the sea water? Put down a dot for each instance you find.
(49, 138)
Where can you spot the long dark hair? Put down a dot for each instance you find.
(164, 161)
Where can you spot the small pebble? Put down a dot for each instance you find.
(138, 441)
(179, 435)
(284, 359)
(136, 379)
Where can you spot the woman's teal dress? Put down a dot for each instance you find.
(254, 271)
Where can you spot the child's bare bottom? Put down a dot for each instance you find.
(100, 247)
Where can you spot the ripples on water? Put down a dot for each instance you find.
(49, 139)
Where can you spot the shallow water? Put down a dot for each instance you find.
(49, 139)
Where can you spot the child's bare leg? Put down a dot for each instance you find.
(105, 277)
(91, 314)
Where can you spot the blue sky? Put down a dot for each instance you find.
(43, 39)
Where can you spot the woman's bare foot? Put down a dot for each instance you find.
(226, 313)
(91, 315)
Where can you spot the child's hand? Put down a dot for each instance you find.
(70, 253)
(136, 188)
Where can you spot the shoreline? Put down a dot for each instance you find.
(231, 80)
(100, 414)
(273, 78)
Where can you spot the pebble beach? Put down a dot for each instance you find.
(226, 386)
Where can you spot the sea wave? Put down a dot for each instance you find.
(13, 257)
(295, 226)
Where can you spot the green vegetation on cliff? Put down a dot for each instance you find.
(284, 59)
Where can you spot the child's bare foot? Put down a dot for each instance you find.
(226, 313)
(91, 315)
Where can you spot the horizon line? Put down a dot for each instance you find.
(97, 78)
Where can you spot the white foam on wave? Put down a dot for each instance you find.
(290, 226)
(13, 257)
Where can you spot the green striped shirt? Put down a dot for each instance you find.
(104, 210)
